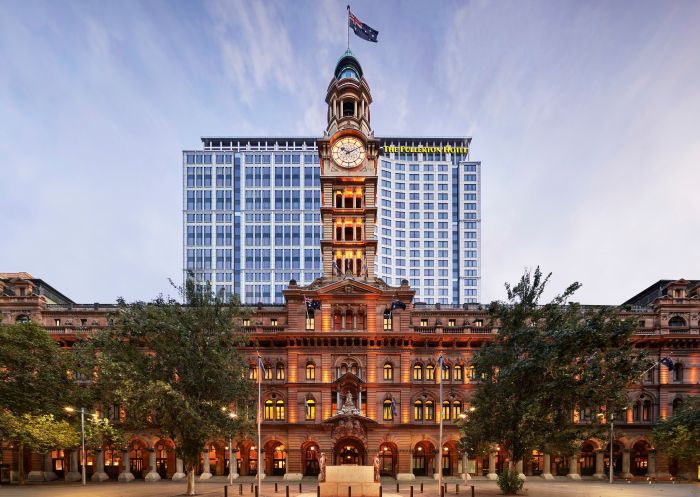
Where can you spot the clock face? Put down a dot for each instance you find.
(348, 152)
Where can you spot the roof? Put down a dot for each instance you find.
(649, 295)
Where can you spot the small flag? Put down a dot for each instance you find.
(668, 362)
(394, 410)
(361, 29)
(336, 269)
(306, 406)
(312, 304)
(442, 364)
(262, 366)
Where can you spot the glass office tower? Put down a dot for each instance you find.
(252, 222)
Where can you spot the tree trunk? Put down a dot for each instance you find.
(190, 481)
(20, 463)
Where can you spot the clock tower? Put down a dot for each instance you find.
(348, 154)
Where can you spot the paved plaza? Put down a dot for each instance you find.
(533, 488)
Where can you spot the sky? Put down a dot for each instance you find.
(584, 114)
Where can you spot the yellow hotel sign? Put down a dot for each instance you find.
(425, 150)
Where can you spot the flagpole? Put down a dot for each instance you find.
(441, 364)
(348, 27)
(260, 373)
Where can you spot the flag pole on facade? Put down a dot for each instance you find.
(261, 371)
(348, 26)
(441, 365)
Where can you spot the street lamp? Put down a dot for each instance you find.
(611, 442)
(231, 462)
(82, 439)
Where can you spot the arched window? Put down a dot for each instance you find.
(338, 199)
(253, 372)
(418, 372)
(388, 412)
(457, 373)
(646, 410)
(279, 410)
(445, 373)
(429, 410)
(310, 320)
(388, 372)
(446, 409)
(636, 407)
(430, 372)
(310, 406)
(678, 372)
(280, 373)
(676, 322)
(471, 373)
(677, 403)
(349, 325)
(310, 372)
(268, 372)
(456, 409)
(418, 410)
(269, 410)
(22, 318)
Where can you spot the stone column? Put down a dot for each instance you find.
(651, 468)
(573, 467)
(233, 464)
(74, 473)
(547, 471)
(206, 470)
(519, 469)
(99, 474)
(465, 467)
(126, 474)
(49, 474)
(492, 466)
(359, 400)
(599, 464)
(179, 470)
(626, 463)
(261, 462)
(152, 473)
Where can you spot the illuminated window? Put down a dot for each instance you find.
(268, 373)
(310, 372)
(253, 373)
(418, 410)
(430, 372)
(279, 410)
(452, 322)
(310, 410)
(457, 373)
(273, 322)
(446, 409)
(429, 410)
(424, 322)
(280, 373)
(418, 372)
(445, 373)
(387, 320)
(310, 321)
(456, 409)
(388, 411)
(246, 322)
(388, 372)
(269, 410)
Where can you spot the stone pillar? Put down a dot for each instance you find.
(492, 466)
(651, 468)
(99, 474)
(599, 464)
(337, 401)
(410, 461)
(465, 467)
(179, 470)
(49, 474)
(573, 467)
(626, 463)
(519, 469)
(261, 462)
(74, 473)
(206, 470)
(233, 463)
(547, 471)
(359, 400)
(152, 473)
(126, 474)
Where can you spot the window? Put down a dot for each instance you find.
(253, 372)
(269, 410)
(273, 322)
(452, 322)
(418, 372)
(676, 322)
(310, 321)
(268, 373)
(57, 322)
(388, 372)
(445, 376)
(456, 409)
(424, 322)
(388, 413)
(387, 321)
(310, 410)
(418, 410)
(678, 372)
(430, 372)
(446, 409)
(246, 322)
(280, 373)
(279, 410)
(429, 410)
(310, 372)
(457, 373)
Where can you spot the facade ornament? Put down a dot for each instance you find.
(322, 467)
(377, 465)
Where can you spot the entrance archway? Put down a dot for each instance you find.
(423, 455)
(275, 460)
(349, 451)
(388, 459)
(640, 458)
(137, 453)
(617, 458)
(310, 455)
(165, 458)
(587, 458)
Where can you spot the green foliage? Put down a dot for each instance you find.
(679, 436)
(176, 368)
(99, 432)
(509, 482)
(33, 369)
(546, 362)
(39, 433)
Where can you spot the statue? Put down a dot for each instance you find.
(377, 465)
(322, 467)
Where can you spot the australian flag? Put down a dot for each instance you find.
(361, 29)
(668, 362)
(312, 304)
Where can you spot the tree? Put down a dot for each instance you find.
(679, 436)
(34, 386)
(547, 363)
(176, 368)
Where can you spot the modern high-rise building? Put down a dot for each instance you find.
(252, 218)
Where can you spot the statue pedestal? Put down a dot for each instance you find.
(359, 479)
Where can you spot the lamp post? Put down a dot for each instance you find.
(82, 439)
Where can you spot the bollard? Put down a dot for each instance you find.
(251, 488)
(286, 491)
(472, 490)
(457, 488)
(421, 487)
(225, 491)
(318, 491)
(349, 491)
(256, 491)
(300, 488)
(442, 491)
(411, 491)
(240, 489)
(381, 491)
(397, 487)
(275, 487)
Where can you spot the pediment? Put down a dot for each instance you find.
(350, 286)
